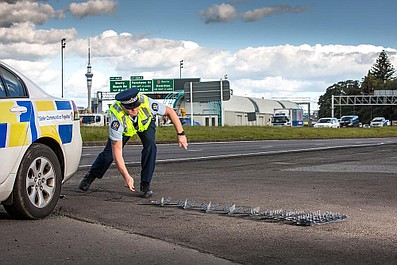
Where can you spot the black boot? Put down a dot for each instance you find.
(86, 182)
(146, 192)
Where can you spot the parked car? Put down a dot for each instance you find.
(378, 122)
(186, 121)
(349, 121)
(327, 123)
(40, 145)
(94, 119)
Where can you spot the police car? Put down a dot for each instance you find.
(40, 145)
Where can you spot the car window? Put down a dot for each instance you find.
(87, 119)
(2, 90)
(12, 86)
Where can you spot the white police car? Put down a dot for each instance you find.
(40, 145)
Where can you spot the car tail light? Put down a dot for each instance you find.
(75, 112)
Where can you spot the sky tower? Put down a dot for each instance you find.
(89, 78)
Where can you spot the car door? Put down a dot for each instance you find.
(15, 109)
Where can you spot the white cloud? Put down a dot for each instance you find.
(93, 7)
(25, 11)
(278, 86)
(26, 33)
(225, 13)
(22, 41)
(257, 14)
(219, 13)
(35, 69)
(268, 71)
(306, 62)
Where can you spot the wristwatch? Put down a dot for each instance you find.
(181, 133)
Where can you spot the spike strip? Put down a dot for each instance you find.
(301, 218)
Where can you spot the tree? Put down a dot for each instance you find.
(379, 77)
(369, 84)
(349, 87)
(382, 70)
(392, 84)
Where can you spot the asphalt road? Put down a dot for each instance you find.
(205, 151)
(108, 224)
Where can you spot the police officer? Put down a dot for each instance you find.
(133, 113)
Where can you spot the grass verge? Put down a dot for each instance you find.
(246, 133)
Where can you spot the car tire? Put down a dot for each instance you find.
(37, 185)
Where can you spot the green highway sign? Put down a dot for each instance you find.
(117, 85)
(134, 77)
(142, 85)
(163, 85)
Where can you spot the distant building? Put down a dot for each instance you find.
(238, 111)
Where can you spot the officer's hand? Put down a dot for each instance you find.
(182, 141)
(129, 183)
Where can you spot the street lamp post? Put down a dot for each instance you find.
(63, 44)
(180, 68)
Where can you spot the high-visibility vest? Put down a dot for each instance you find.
(144, 116)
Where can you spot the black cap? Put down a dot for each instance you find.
(129, 98)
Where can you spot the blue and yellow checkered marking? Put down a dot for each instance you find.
(63, 105)
(13, 125)
(28, 116)
(65, 132)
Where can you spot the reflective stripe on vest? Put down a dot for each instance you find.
(144, 116)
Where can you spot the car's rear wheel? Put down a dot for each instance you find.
(37, 185)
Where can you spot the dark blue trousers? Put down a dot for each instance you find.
(148, 155)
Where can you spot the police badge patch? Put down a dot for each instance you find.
(155, 106)
(115, 125)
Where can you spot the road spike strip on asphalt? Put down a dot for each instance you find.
(301, 218)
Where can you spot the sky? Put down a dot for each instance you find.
(288, 49)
